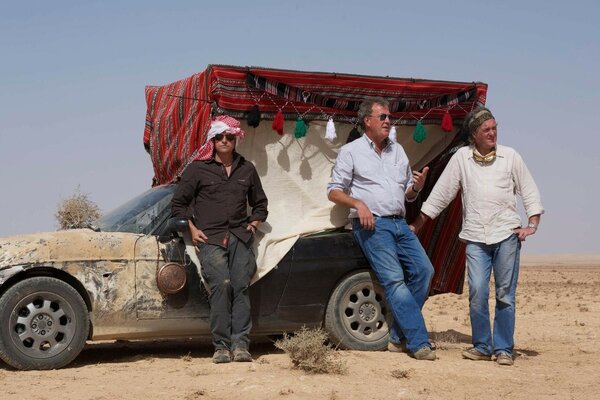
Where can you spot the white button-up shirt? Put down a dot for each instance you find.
(378, 180)
(488, 194)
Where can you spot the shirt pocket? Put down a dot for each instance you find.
(398, 172)
(501, 188)
(502, 180)
(210, 188)
(241, 187)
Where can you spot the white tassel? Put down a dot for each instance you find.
(392, 134)
(330, 133)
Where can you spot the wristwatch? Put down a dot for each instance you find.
(532, 225)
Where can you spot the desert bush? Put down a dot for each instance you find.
(77, 211)
(401, 373)
(309, 352)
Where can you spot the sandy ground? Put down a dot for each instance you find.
(557, 343)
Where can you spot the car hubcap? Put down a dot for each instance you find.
(42, 325)
(365, 313)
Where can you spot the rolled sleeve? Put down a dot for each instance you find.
(341, 175)
(445, 189)
(526, 188)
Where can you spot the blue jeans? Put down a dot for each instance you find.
(503, 258)
(405, 272)
(227, 272)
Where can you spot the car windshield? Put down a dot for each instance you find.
(142, 214)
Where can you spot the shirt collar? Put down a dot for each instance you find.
(499, 151)
(234, 161)
(388, 142)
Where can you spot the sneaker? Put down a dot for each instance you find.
(474, 354)
(425, 353)
(221, 356)
(241, 355)
(397, 347)
(504, 359)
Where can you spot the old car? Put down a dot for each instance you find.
(60, 289)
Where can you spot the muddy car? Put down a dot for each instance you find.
(59, 289)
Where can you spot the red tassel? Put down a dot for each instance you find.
(278, 122)
(447, 125)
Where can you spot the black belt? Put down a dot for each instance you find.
(393, 216)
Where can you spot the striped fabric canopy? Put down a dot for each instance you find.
(179, 114)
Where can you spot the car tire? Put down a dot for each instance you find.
(357, 316)
(44, 324)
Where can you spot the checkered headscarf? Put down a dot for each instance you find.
(221, 124)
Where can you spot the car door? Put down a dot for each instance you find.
(190, 302)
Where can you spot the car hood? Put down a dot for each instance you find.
(68, 245)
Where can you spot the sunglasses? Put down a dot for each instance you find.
(382, 117)
(230, 137)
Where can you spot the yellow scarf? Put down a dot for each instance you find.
(487, 159)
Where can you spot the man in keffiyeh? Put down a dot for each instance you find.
(219, 186)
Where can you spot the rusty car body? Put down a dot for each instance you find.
(59, 289)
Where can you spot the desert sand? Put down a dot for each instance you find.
(557, 346)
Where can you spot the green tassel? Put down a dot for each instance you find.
(420, 133)
(300, 129)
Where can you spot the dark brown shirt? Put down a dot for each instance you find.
(218, 203)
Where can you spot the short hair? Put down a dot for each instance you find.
(366, 107)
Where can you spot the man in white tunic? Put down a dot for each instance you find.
(489, 176)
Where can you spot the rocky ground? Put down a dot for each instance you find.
(557, 343)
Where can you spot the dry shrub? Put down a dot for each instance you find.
(309, 352)
(195, 395)
(401, 373)
(77, 211)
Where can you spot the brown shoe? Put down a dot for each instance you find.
(241, 355)
(397, 347)
(504, 359)
(474, 354)
(425, 353)
(221, 356)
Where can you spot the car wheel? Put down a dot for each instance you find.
(44, 324)
(357, 316)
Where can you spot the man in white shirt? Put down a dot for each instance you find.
(372, 177)
(489, 176)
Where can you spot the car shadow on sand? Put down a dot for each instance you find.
(123, 351)
(131, 351)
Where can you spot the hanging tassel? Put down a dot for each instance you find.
(330, 133)
(278, 123)
(420, 133)
(447, 125)
(253, 117)
(392, 135)
(300, 129)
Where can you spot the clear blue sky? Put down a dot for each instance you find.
(72, 77)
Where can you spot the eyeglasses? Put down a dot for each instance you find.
(230, 137)
(382, 117)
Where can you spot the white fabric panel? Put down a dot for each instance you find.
(295, 173)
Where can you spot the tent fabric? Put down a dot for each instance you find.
(295, 171)
(178, 115)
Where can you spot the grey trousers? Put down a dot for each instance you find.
(227, 272)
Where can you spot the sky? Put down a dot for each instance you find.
(72, 78)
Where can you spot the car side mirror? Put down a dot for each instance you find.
(178, 224)
(175, 225)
